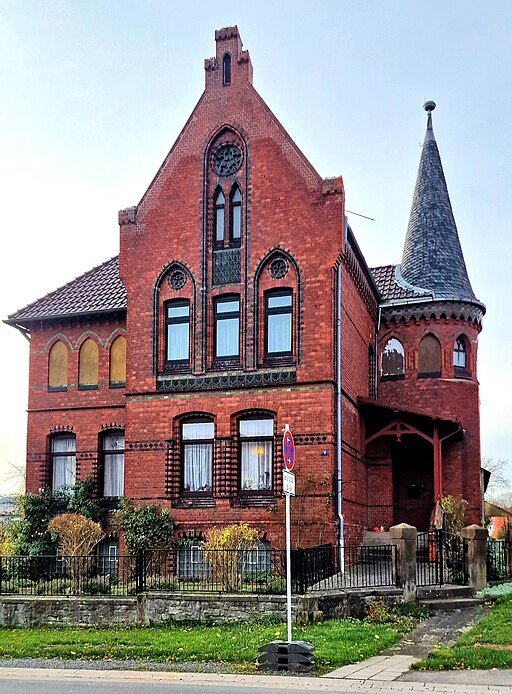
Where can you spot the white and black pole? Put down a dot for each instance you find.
(288, 491)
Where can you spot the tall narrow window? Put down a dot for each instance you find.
(459, 358)
(278, 323)
(429, 357)
(177, 332)
(227, 327)
(58, 367)
(392, 361)
(113, 463)
(256, 454)
(219, 218)
(88, 365)
(226, 69)
(197, 442)
(118, 362)
(63, 461)
(236, 215)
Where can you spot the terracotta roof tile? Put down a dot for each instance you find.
(392, 288)
(98, 291)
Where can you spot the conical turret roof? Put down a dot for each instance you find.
(432, 258)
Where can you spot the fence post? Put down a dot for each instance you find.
(403, 536)
(476, 538)
(140, 571)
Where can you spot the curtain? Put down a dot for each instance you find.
(280, 332)
(257, 465)
(178, 336)
(198, 467)
(228, 337)
(113, 477)
(64, 466)
(256, 427)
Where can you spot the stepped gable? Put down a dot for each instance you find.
(99, 290)
(432, 255)
(393, 288)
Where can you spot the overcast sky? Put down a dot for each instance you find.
(93, 94)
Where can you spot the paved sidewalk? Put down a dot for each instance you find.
(444, 628)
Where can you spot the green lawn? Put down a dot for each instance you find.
(336, 642)
(487, 645)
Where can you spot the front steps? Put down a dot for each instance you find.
(447, 597)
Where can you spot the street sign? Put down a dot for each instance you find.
(288, 450)
(288, 483)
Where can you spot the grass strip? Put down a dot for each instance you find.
(482, 647)
(336, 643)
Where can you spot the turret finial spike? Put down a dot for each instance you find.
(429, 106)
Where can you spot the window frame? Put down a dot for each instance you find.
(277, 311)
(430, 374)
(388, 376)
(60, 454)
(180, 320)
(226, 69)
(460, 371)
(256, 439)
(64, 386)
(201, 493)
(235, 242)
(218, 318)
(112, 452)
(217, 206)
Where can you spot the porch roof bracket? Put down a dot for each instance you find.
(397, 428)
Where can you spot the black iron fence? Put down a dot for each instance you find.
(499, 560)
(441, 558)
(192, 568)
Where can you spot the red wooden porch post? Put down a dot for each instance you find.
(438, 465)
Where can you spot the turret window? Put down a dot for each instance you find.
(429, 357)
(460, 358)
(392, 360)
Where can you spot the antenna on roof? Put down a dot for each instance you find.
(360, 215)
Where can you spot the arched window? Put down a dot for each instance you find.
(429, 357)
(392, 360)
(226, 69)
(235, 215)
(63, 461)
(88, 365)
(112, 450)
(256, 454)
(197, 455)
(58, 367)
(219, 201)
(460, 358)
(118, 362)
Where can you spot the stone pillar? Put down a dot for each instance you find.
(476, 538)
(403, 536)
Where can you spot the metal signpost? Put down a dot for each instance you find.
(288, 491)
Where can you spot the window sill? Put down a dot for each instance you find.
(57, 389)
(433, 374)
(194, 501)
(117, 384)
(254, 499)
(177, 367)
(459, 372)
(91, 386)
(226, 364)
(278, 360)
(109, 503)
(392, 377)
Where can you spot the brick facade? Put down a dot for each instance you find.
(293, 238)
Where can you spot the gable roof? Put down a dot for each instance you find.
(99, 290)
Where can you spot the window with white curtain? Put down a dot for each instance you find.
(197, 443)
(113, 463)
(63, 454)
(227, 327)
(256, 454)
(278, 323)
(177, 332)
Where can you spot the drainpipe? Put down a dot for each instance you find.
(339, 493)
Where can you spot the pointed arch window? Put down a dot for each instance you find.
(226, 69)
(235, 216)
(117, 377)
(392, 361)
(220, 202)
(58, 367)
(429, 357)
(88, 365)
(460, 358)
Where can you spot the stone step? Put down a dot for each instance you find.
(448, 604)
(444, 592)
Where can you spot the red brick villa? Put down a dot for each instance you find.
(241, 302)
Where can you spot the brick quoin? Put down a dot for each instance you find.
(291, 214)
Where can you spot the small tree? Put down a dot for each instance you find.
(455, 509)
(228, 566)
(144, 527)
(78, 536)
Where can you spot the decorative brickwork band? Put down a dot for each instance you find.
(253, 380)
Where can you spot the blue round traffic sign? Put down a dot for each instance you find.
(288, 450)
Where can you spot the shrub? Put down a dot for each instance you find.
(455, 509)
(228, 566)
(144, 527)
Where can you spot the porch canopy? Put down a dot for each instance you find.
(382, 419)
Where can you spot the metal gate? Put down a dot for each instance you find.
(441, 558)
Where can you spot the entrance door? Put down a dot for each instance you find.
(413, 481)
